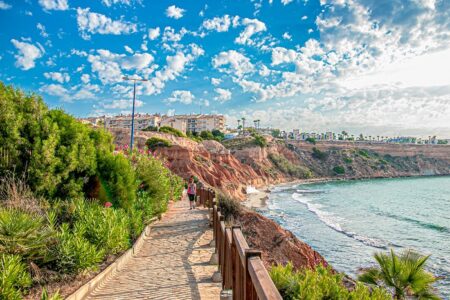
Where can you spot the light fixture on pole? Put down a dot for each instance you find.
(134, 101)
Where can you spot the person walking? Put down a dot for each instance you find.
(191, 191)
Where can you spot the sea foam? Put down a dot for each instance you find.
(331, 221)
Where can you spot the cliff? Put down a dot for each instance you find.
(240, 162)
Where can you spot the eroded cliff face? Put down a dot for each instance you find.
(278, 246)
(243, 163)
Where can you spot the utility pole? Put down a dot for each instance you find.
(134, 103)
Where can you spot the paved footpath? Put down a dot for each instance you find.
(173, 263)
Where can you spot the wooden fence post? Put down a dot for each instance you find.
(250, 293)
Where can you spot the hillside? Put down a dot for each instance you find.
(239, 162)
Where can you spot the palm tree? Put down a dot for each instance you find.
(239, 125)
(404, 275)
(243, 125)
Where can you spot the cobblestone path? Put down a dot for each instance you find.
(172, 264)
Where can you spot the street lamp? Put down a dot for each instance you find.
(134, 101)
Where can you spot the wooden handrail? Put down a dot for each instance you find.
(241, 267)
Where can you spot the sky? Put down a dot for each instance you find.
(379, 67)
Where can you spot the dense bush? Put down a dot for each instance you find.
(155, 142)
(363, 153)
(311, 140)
(260, 140)
(287, 167)
(118, 179)
(321, 283)
(107, 229)
(229, 207)
(74, 253)
(171, 130)
(347, 160)
(24, 234)
(14, 277)
(339, 170)
(319, 154)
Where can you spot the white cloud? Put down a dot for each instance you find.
(286, 2)
(57, 76)
(252, 26)
(122, 104)
(55, 90)
(215, 81)
(237, 63)
(85, 78)
(4, 5)
(109, 65)
(41, 29)
(27, 54)
(128, 49)
(304, 18)
(223, 95)
(75, 93)
(174, 12)
(91, 23)
(181, 96)
(287, 36)
(219, 24)
(153, 33)
(54, 4)
(114, 2)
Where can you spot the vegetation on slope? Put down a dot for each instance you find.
(287, 167)
(67, 199)
(321, 283)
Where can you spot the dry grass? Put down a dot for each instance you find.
(15, 194)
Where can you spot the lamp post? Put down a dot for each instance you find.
(134, 102)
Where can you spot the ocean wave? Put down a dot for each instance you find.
(422, 224)
(301, 191)
(329, 220)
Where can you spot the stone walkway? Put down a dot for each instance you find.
(172, 264)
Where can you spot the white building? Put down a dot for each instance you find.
(195, 123)
(141, 121)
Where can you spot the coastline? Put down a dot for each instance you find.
(258, 197)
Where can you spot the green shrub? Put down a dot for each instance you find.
(363, 153)
(155, 180)
(347, 160)
(172, 131)
(55, 296)
(229, 207)
(287, 167)
(311, 140)
(207, 135)
(105, 228)
(339, 170)
(117, 176)
(25, 235)
(260, 140)
(14, 277)
(150, 128)
(319, 284)
(155, 142)
(74, 253)
(319, 154)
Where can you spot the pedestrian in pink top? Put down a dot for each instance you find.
(191, 191)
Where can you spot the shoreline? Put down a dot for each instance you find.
(257, 200)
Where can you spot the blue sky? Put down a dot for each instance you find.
(378, 67)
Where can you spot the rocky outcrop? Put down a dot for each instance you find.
(242, 163)
(278, 245)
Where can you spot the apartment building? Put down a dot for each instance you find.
(141, 121)
(195, 123)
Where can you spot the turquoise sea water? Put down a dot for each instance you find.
(347, 221)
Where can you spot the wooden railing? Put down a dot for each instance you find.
(241, 267)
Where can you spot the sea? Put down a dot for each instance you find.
(348, 221)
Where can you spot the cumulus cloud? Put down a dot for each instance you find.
(153, 33)
(66, 95)
(232, 62)
(174, 12)
(121, 104)
(92, 23)
(223, 95)
(41, 29)
(27, 54)
(55, 90)
(181, 96)
(219, 24)
(114, 2)
(287, 36)
(4, 5)
(85, 78)
(57, 76)
(109, 65)
(215, 81)
(54, 4)
(252, 26)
